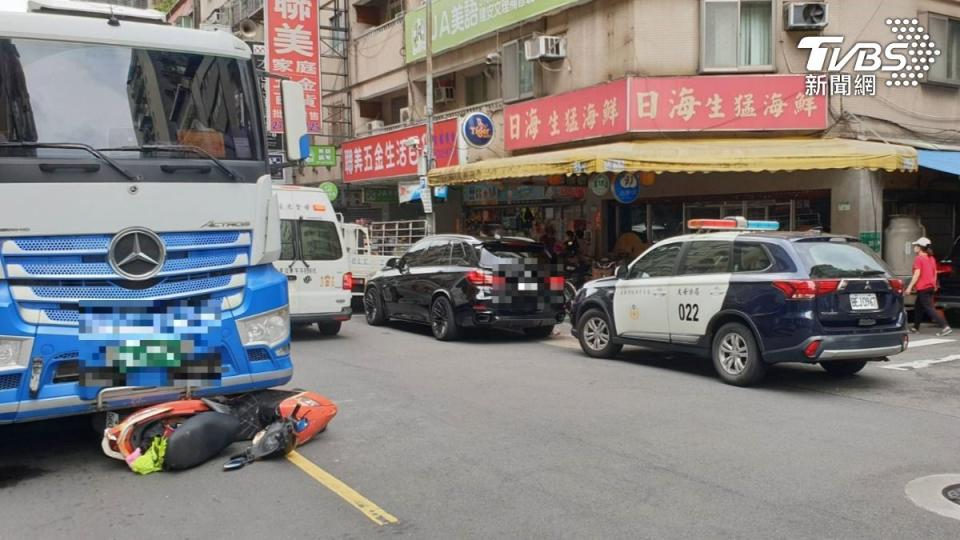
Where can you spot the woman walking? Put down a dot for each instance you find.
(924, 283)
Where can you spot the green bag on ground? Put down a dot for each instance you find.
(152, 460)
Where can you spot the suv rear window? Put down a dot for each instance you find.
(495, 253)
(841, 260)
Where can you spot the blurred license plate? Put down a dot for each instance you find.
(527, 286)
(863, 301)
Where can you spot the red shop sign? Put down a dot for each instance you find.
(293, 51)
(725, 103)
(597, 111)
(386, 155)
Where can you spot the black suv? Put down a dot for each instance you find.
(455, 281)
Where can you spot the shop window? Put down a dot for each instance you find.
(707, 257)
(476, 87)
(666, 221)
(750, 258)
(517, 77)
(659, 262)
(736, 35)
(945, 32)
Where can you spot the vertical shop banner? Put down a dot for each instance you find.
(293, 51)
(391, 155)
(456, 22)
(597, 111)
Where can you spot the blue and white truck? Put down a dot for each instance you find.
(137, 221)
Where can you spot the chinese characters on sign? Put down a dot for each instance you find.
(707, 103)
(391, 155)
(841, 84)
(597, 111)
(293, 51)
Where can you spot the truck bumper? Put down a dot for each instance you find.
(342, 315)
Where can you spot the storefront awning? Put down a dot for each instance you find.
(690, 156)
(941, 160)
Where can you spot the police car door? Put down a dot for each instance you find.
(697, 293)
(641, 298)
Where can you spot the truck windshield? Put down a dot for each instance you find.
(109, 96)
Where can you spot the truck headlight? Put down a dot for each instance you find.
(14, 352)
(270, 328)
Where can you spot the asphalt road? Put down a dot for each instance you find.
(502, 437)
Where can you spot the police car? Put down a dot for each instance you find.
(749, 296)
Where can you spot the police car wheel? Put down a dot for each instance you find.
(442, 320)
(595, 335)
(736, 356)
(843, 368)
(373, 307)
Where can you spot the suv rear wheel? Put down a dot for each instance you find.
(442, 321)
(539, 332)
(373, 307)
(596, 335)
(843, 368)
(736, 356)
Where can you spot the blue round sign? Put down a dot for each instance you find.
(626, 187)
(477, 129)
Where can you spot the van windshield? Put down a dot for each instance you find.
(841, 260)
(109, 96)
(320, 241)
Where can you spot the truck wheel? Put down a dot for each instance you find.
(331, 328)
(596, 335)
(736, 356)
(442, 320)
(843, 368)
(373, 308)
(539, 332)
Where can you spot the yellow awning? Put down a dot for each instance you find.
(690, 156)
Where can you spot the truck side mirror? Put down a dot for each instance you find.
(296, 142)
(621, 272)
(392, 262)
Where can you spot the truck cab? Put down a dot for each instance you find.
(138, 225)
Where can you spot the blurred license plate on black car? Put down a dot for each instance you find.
(863, 302)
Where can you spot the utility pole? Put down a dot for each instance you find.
(196, 13)
(428, 145)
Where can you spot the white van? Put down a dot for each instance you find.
(313, 259)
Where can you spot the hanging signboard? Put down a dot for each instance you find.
(626, 187)
(391, 155)
(293, 51)
(477, 130)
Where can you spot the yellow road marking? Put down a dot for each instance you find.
(375, 513)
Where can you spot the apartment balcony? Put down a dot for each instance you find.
(235, 11)
(378, 51)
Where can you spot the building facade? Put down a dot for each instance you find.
(672, 65)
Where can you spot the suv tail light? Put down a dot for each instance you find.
(812, 349)
(944, 267)
(478, 277)
(896, 285)
(555, 283)
(806, 289)
(348, 281)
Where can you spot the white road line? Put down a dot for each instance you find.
(920, 364)
(928, 342)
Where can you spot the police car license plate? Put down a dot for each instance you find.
(863, 302)
(527, 286)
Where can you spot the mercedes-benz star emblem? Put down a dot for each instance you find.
(136, 254)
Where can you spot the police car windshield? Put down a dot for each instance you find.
(841, 260)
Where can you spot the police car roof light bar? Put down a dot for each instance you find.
(738, 223)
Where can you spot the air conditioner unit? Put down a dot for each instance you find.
(375, 125)
(805, 15)
(545, 48)
(405, 115)
(443, 94)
